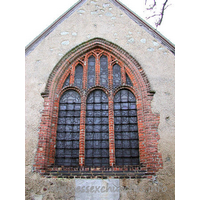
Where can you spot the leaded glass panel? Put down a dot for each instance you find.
(104, 71)
(78, 76)
(128, 80)
(66, 81)
(116, 76)
(97, 130)
(126, 129)
(91, 72)
(67, 141)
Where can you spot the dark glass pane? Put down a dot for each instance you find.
(66, 83)
(116, 76)
(91, 72)
(67, 140)
(70, 97)
(104, 71)
(97, 133)
(128, 81)
(78, 76)
(126, 129)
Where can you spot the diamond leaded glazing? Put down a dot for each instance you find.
(67, 142)
(97, 132)
(126, 129)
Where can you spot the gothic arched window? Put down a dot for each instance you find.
(67, 142)
(97, 131)
(126, 129)
(104, 71)
(78, 76)
(97, 116)
(91, 72)
(97, 137)
(116, 76)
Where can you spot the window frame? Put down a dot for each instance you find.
(150, 161)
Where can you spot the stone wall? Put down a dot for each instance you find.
(102, 19)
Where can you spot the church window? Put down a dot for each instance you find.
(67, 81)
(104, 71)
(91, 72)
(67, 142)
(128, 81)
(97, 119)
(78, 76)
(97, 131)
(116, 76)
(97, 116)
(126, 130)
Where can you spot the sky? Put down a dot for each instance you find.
(39, 14)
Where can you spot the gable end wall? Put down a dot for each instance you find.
(102, 19)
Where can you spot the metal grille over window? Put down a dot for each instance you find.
(116, 76)
(104, 71)
(67, 141)
(66, 81)
(128, 81)
(97, 131)
(91, 72)
(78, 76)
(126, 129)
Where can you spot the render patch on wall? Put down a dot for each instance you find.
(97, 189)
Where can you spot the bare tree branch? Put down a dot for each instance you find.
(151, 8)
(152, 16)
(167, 6)
(159, 15)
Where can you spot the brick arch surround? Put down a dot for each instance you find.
(150, 158)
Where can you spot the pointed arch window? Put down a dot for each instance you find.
(97, 120)
(128, 81)
(104, 71)
(91, 72)
(97, 131)
(66, 83)
(67, 142)
(116, 76)
(126, 129)
(78, 76)
(98, 117)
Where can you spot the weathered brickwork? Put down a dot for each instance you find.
(150, 158)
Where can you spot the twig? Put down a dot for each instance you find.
(162, 14)
(151, 8)
(153, 16)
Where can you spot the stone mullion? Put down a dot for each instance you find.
(111, 131)
(97, 71)
(82, 132)
(123, 75)
(85, 70)
(72, 74)
(110, 74)
(111, 115)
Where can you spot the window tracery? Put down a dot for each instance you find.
(147, 122)
(96, 119)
